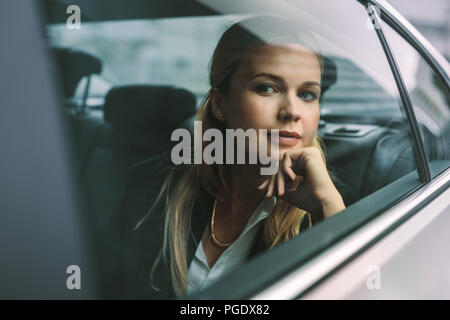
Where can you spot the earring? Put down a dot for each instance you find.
(220, 115)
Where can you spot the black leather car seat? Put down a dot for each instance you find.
(74, 65)
(138, 121)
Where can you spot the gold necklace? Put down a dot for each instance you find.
(213, 236)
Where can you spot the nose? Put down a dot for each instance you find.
(289, 109)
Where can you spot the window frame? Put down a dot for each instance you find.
(407, 32)
(417, 140)
(273, 282)
(400, 25)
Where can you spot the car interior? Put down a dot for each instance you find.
(366, 148)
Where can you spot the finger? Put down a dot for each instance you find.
(287, 167)
(271, 187)
(304, 159)
(263, 185)
(294, 184)
(280, 187)
(291, 174)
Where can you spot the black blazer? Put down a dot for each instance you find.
(132, 253)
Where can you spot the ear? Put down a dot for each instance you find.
(217, 104)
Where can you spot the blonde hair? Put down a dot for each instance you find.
(284, 221)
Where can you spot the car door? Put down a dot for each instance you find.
(389, 242)
(411, 261)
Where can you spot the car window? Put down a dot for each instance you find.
(172, 51)
(154, 75)
(429, 95)
(364, 130)
(365, 134)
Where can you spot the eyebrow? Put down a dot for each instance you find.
(279, 79)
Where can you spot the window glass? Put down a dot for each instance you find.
(364, 130)
(429, 96)
(146, 51)
(153, 76)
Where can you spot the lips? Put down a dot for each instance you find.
(288, 138)
(289, 134)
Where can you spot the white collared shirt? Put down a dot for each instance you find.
(200, 275)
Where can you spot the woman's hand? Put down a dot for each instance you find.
(303, 181)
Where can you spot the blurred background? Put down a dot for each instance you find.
(160, 61)
(431, 18)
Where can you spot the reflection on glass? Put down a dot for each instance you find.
(317, 77)
(429, 95)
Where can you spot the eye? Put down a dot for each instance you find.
(308, 95)
(265, 88)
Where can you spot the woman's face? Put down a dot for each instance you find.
(276, 87)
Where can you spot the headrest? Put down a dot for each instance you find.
(75, 65)
(329, 75)
(148, 108)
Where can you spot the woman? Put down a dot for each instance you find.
(263, 76)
